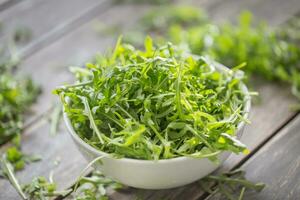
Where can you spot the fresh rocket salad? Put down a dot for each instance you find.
(158, 103)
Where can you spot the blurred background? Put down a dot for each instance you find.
(41, 39)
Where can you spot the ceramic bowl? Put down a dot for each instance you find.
(149, 174)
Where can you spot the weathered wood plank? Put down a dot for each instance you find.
(277, 164)
(50, 64)
(48, 68)
(265, 120)
(273, 110)
(84, 41)
(5, 4)
(47, 20)
(51, 149)
(273, 11)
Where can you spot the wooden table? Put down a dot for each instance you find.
(64, 35)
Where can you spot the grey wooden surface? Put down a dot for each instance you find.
(47, 20)
(278, 165)
(5, 4)
(68, 38)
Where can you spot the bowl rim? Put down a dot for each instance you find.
(99, 153)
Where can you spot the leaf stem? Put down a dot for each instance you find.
(8, 171)
(75, 85)
(91, 118)
(248, 184)
(178, 91)
(242, 193)
(85, 169)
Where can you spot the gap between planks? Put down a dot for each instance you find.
(277, 164)
(43, 35)
(181, 189)
(82, 43)
(47, 20)
(267, 140)
(170, 194)
(285, 118)
(65, 28)
(258, 148)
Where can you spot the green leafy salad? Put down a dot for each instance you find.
(272, 53)
(159, 103)
(17, 93)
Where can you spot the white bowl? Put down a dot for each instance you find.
(150, 174)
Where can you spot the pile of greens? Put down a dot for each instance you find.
(271, 53)
(96, 186)
(91, 187)
(156, 104)
(229, 185)
(16, 94)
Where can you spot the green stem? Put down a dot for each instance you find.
(225, 192)
(242, 193)
(178, 95)
(248, 184)
(55, 119)
(85, 169)
(202, 137)
(58, 193)
(8, 171)
(211, 195)
(75, 85)
(124, 111)
(91, 118)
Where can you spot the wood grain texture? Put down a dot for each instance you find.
(273, 110)
(267, 128)
(47, 20)
(266, 117)
(78, 46)
(5, 4)
(52, 149)
(48, 67)
(273, 11)
(277, 164)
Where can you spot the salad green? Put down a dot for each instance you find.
(17, 92)
(156, 104)
(229, 185)
(15, 96)
(272, 53)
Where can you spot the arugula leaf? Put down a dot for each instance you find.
(148, 104)
(229, 185)
(16, 94)
(55, 118)
(91, 187)
(8, 172)
(15, 97)
(18, 159)
(95, 187)
(40, 188)
(272, 53)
